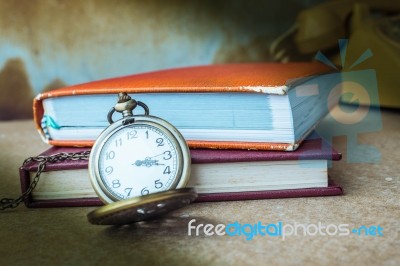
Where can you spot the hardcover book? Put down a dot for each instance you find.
(217, 175)
(264, 106)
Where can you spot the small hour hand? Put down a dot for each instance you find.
(148, 162)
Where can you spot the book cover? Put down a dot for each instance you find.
(250, 79)
(310, 150)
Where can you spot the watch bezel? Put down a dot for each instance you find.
(183, 168)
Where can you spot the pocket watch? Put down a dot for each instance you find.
(139, 167)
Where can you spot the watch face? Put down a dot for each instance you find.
(136, 160)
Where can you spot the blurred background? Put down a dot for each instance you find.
(46, 44)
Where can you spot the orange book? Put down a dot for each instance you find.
(265, 106)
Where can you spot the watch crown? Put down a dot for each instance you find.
(123, 97)
(125, 104)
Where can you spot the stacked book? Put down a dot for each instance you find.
(249, 127)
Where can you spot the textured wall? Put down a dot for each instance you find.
(48, 44)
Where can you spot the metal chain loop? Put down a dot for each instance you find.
(7, 203)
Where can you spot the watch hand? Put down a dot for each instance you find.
(148, 162)
(156, 155)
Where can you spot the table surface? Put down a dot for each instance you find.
(37, 236)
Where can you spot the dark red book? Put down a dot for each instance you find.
(217, 175)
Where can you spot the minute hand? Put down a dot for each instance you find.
(165, 153)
